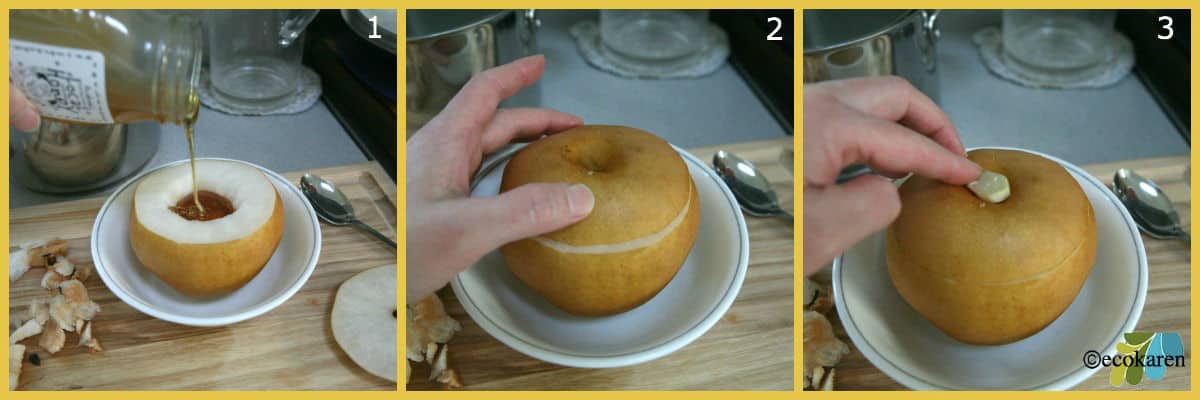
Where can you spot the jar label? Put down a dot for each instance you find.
(65, 83)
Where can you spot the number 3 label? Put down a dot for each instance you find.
(1167, 25)
(778, 24)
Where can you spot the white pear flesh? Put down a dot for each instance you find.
(364, 320)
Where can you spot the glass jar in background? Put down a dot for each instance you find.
(653, 35)
(254, 55)
(1058, 41)
(104, 67)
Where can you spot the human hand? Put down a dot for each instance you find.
(448, 231)
(22, 114)
(886, 124)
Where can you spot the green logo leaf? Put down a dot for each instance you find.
(1117, 377)
(1138, 338)
(1133, 375)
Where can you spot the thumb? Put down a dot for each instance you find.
(529, 210)
(22, 114)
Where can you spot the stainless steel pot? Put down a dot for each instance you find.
(446, 48)
(72, 155)
(841, 44)
(70, 158)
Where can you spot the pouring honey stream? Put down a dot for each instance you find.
(204, 205)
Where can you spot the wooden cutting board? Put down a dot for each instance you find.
(750, 348)
(290, 347)
(1168, 301)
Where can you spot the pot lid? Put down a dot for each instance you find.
(424, 24)
(825, 29)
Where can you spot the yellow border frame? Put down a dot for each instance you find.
(4, 203)
(621, 4)
(1145, 389)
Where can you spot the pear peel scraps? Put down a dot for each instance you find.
(27, 330)
(16, 353)
(72, 308)
(34, 254)
(53, 337)
(990, 187)
(822, 380)
(440, 373)
(427, 323)
(67, 310)
(821, 349)
(817, 297)
(427, 326)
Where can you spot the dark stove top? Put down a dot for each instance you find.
(766, 65)
(358, 85)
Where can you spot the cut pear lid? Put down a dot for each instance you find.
(990, 187)
(364, 320)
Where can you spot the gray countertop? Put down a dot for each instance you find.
(311, 139)
(714, 109)
(1119, 122)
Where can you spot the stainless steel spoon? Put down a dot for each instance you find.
(333, 206)
(1150, 207)
(750, 187)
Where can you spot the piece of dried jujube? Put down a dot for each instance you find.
(817, 297)
(82, 272)
(450, 379)
(53, 337)
(821, 347)
(39, 311)
(814, 381)
(18, 264)
(16, 354)
(72, 307)
(437, 364)
(27, 330)
(86, 339)
(439, 370)
(62, 313)
(51, 279)
(430, 318)
(93, 345)
(427, 324)
(33, 255)
(39, 252)
(64, 267)
(828, 384)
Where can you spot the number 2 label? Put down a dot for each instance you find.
(778, 25)
(1167, 21)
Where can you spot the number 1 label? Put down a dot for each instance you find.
(374, 28)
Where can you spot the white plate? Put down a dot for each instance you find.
(688, 306)
(905, 346)
(286, 271)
